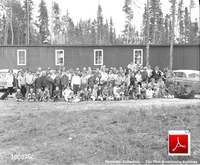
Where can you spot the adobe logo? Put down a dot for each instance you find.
(179, 143)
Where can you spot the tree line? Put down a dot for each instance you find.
(18, 25)
(186, 31)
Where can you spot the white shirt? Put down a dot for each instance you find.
(76, 80)
(149, 72)
(67, 92)
(53, 76)
(104, 76)
(21, 80)
(149, 93)
(115, 90)
(9, 80)
(138, 77)
(29, 79)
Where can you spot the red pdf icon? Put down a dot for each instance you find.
(179, 143)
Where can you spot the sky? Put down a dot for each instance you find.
(85, 9)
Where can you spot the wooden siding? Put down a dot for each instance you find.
(185, 56)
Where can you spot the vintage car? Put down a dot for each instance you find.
(3, 73)
(188, 78)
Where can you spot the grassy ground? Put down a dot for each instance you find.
(96, 132)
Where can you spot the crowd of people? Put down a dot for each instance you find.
(98, 83)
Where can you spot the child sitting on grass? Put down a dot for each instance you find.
(94, 93)
(161, 88)
(99, 93)
(143, 91)
(76, 98)
(105, 93)
(84, 94)
(19, 96)
(149, 93)
(116, 91)
(110, 92)
(89, 93)
(56, 94)
(122, 91)
(67, 93)
(31, 95)
(46, 95)
(131, 93)
(138, 92)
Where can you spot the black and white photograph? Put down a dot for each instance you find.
(99, 82)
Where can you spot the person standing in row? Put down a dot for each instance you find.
(29, 81)
(57, 82)
(22, 83)
(76, 83)
(10, 81)
(156, 74)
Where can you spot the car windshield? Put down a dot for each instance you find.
(180, 74)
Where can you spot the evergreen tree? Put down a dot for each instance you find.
(143, 30)
(43, 21)
(160, 29)
(94, 33)
(173, 11)
(180, 19)
(99, 25)
(111, 31)
(28, 8)
(194, 32)
(187, 26)
(155, 14)
(106, 34)
(191, 6)
(128, 29)
(56, 20)
(65, 27)
(81, 32)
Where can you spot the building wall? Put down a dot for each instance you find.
(185, 56)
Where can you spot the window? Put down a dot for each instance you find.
(59, 57)
(21, 57)
(180, 74)
(98, 57)
(138, 56)
(193, 75)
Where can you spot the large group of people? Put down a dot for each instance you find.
(98, 83)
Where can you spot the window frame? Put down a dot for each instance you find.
(18, 61)
(135, 62)
(56, 57)
(97, 50)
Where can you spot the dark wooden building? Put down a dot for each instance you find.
(32, 57)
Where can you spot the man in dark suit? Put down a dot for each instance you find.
(156, 74)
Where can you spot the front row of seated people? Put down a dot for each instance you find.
(102, 92)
